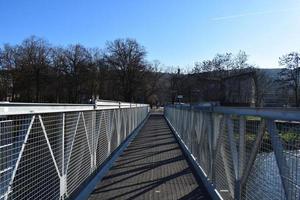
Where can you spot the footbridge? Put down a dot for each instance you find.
(117, 150)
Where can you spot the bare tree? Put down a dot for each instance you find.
(127, 58)
(152, 83)
(263, 83)
(213, 73)
(59, 75)
(219, 66)
(290, 74)
(77, 65)
(36, 71)
(25, 67)
(8, 72)
(33, 59)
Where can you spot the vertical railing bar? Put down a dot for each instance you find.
(124, 122)
(108, 134)
(219, 126)
(233, 153)
(280, 159)
(93, 127)
(118, 119)
(211, 146)
(233, 148)
(63, 183)
(63, 143)
(98, 135)
(238, 189)
(95, 136)
(241, 146)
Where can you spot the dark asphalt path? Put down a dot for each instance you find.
(152, 167)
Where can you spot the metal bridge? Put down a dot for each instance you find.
(116, 150)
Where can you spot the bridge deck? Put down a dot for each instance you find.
(152, 167)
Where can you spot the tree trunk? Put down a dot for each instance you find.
(37, 85)
(296, 97)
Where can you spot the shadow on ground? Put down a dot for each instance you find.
(153, 167)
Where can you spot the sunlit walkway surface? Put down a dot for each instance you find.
(152, 167)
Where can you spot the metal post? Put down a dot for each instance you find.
(234, 156)
(63, 180)
(240, 166)
(281, 161)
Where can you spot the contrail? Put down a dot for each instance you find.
(254, 14)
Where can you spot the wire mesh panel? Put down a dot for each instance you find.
(243, 155)
(50, 155)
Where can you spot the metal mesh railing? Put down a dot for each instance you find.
(48, 155)
(245, 153)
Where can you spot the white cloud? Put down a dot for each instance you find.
(254, 14)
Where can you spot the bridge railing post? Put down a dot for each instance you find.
(283, 168)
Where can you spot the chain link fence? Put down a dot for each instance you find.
(48, 153)
(244, 153)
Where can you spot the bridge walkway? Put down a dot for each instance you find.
(152, 167)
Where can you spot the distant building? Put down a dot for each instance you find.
(239, 89)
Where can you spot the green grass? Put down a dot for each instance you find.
(289, 136)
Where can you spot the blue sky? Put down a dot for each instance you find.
(177, 33)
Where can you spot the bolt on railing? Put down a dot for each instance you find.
(47, 151)
(244, 153)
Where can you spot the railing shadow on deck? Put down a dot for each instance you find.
(118, 181)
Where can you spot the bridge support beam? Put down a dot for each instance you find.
(281, 161)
